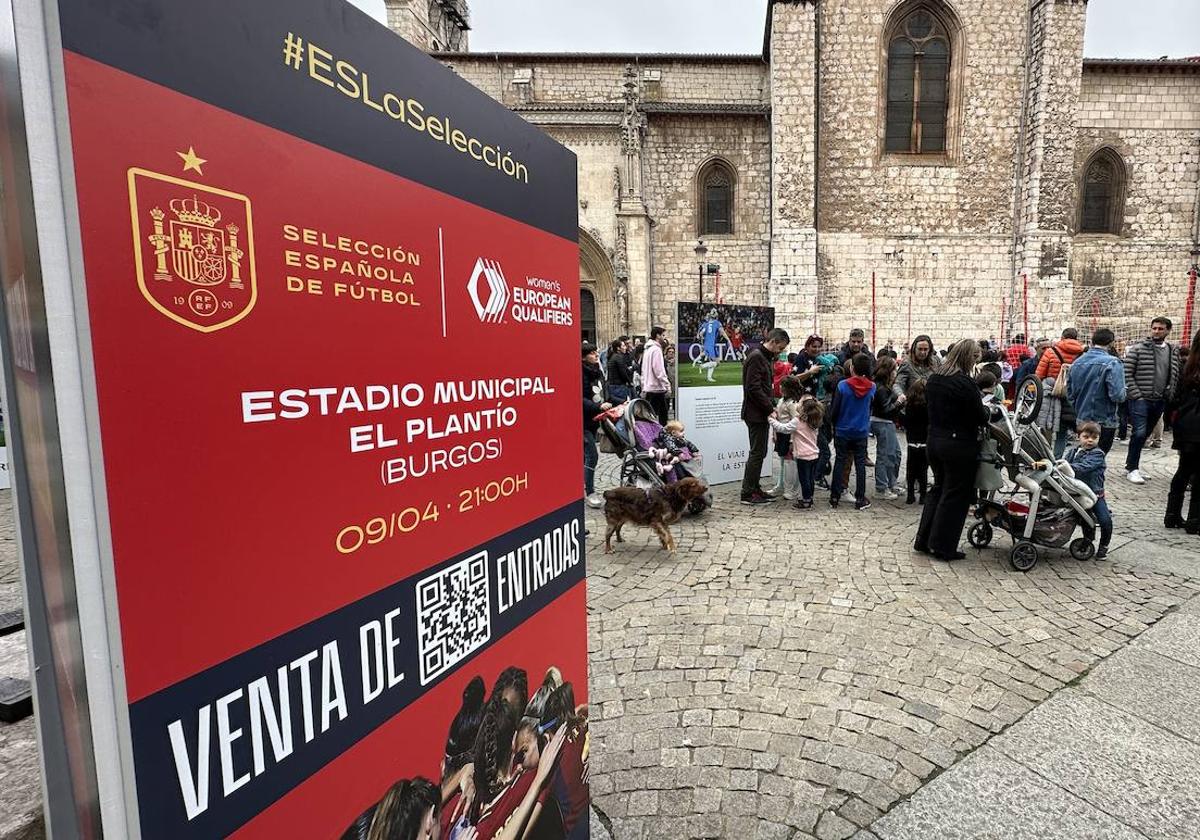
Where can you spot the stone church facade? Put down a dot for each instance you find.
(906, 166)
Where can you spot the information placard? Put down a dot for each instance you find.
(339, 527)
(713, 339)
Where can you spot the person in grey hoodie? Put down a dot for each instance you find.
(1151, 375)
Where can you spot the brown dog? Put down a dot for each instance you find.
(656, 508)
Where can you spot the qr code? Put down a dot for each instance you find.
(453, 615)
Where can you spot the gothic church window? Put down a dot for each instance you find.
(715, 199)
(918, 84)
(1103, 204)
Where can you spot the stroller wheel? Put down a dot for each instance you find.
(980, 535)
(1082, 548)
(1023, 557)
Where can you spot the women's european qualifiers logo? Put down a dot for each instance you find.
(193, 247)
(539, 301)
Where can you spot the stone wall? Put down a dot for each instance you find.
(936, 229)
(1151, 118)
(820, 206)
(596, 80)
(793, 60)
(427, 25)
(676, 148)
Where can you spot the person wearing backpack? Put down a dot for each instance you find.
(1055, 364)
(1151, 375)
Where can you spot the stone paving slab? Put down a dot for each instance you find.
(1176, 637)
(1157, 689)
(991, 797)
(807, 671)
(1168, 559)
(1120, 764)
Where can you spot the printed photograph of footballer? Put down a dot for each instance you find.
(713, 339)
(515, 768)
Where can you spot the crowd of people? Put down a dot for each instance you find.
(818, 408)
(515, 766)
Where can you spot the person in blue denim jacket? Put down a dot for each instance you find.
(1087, 460)
(1096, 387)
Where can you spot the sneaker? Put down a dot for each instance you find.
(823, 483)
(595, 500)
(757, 499)
(870, 463)
(833, 501)
(1102, 553)
(862, 505)
(887, 495)
(1154, 444)
(1135, 476)
(803, 504)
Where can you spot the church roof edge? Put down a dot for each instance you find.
(1185, 64)
(738, 58)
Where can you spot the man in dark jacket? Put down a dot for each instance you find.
(757, 405)
(856, 344)
(620, 370)
(1151, 374)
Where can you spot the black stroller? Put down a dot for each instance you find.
(629, 431)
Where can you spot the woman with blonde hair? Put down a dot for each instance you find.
(956, 416)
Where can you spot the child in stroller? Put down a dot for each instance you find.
(632, 432)
(1055, 502)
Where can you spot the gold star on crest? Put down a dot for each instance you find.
(191, 160)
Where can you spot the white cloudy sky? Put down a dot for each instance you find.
(1116, 28)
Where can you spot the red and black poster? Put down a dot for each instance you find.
(332, 301)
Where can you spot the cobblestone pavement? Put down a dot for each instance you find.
(791, 674)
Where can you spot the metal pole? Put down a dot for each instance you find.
(910, 335)
(1003, 315)
(1025, 295)
(874, 341)
(1191, 302)
(700, 298)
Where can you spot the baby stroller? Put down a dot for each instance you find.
(629, 431)
(1052, 503)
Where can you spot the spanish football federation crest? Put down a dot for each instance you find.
(194, 249)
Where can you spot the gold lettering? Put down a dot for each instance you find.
(366, 94)
(348, 73)
(436, 129)
(315, 64)
(388, 100)
(460, 140)
(416, 111)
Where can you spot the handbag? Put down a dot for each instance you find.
(783, 443)
(1061, 381)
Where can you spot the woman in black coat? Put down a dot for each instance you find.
(956, 415)
(1186, 426)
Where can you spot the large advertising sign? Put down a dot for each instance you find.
(712, 342)
(336, 545)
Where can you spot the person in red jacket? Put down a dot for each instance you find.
(1062, 352)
